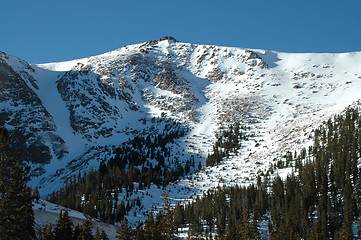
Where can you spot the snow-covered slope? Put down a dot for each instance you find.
(97, 103)
(46, 212)
(23, 113)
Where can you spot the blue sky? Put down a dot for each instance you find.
(41, 31)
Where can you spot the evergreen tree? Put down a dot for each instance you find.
(139, 232)
(16, 213)
(359, 228)
(85, 231)
(345, 232)
(178, 216)
(46, 233)
(77, 232)
(97, 235)
(195, 227)
(167, 224)
(63, 227)
(247, 229)
(328, 184)
(152, 229)
(103, 235)
(124, 232)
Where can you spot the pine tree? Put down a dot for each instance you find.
(86, 231)
(195, 227)
(97, 235)
(245, 229)
(63, 227)
(77, 232)
(359, 228)
(167, 224)
(178, 216)
(139, 232)
(152, 229)
(124, 232)
(345, 232)
(46, 233)
(16, 213)
(103, 235)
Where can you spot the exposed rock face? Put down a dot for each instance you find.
(22, 112)
(87, 99)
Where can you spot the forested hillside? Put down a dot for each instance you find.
(321, 199)
(136, 165)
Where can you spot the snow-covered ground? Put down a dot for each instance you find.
(46, 212)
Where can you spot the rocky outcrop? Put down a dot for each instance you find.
(87, 99)
(32, 128)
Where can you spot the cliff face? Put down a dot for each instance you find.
(22, 112)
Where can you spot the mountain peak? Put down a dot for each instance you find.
(165, 38)
(165, 102)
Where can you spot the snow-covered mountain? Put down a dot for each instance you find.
(67, 117)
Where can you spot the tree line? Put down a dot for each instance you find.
(321, 199)
(16, 213)
(228, 141)
(136, 165)
(64, 229)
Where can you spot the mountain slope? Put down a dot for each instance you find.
(23, 113)
(48, 213)
(96, 104)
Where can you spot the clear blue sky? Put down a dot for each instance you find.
(49, 30)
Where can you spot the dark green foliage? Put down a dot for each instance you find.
(328, 181)
(328, 184)
(246, 228)
(151, 229)
(227, 142)
(100, 235)
(76, 232)
(166, 218)
(46, 233)
(64, 230)
(345, 232)
(131, 164)
(16, 213)
(178, 215)
(359, 228)
(84, 231)
(124, 232)
(139, 232)
(195, 227)
(229, 217)
(160, 228)
(64, 227)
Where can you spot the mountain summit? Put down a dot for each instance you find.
(69, 117)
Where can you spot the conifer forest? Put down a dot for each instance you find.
(321, 199)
